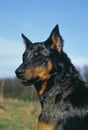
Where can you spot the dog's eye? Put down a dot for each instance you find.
(38, 55)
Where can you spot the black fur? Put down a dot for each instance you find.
(64, 95)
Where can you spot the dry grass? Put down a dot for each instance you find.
(19, 115)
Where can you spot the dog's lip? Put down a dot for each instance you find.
(30, 81)
(23, 81)
(26, 82)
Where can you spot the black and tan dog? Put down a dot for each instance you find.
(63, 95)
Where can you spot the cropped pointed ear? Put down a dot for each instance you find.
(55, 40)
(27, 42)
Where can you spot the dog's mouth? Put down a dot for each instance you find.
(26, 82)
(29, 82)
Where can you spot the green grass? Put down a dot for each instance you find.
(19, 115)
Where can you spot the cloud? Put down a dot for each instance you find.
(10, 57)
(79, 61)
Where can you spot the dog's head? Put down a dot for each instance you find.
(39, 58)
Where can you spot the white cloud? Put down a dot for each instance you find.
(79, 61)
(10, 57)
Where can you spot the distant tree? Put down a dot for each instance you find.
(12, 88)
(2, 83)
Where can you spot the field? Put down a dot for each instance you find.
(19, 115)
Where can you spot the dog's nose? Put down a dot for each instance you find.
(19, 73)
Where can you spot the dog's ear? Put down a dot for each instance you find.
(55, 40)
(27, 42)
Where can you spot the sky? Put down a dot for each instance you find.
(36, 19)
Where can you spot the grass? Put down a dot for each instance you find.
(19, 115)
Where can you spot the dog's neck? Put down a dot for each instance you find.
(52, 91)
(54, 97)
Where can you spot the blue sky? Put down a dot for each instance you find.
(36, 19)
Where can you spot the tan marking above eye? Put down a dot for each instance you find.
(36, 53)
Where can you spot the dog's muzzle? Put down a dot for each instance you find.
(19, 73)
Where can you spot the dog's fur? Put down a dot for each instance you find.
(63, 95)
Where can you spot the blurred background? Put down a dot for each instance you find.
(36, 19)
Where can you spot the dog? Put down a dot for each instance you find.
(63, 94)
